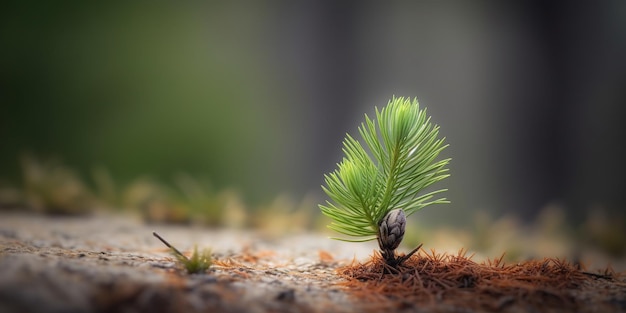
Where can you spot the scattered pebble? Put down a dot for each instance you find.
(288, 295)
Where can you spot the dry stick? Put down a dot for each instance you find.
(406, 257)
(609, 277)
(169, 245)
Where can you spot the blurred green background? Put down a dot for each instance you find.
(256, 96)
(145, 88)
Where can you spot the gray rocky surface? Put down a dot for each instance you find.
(107, 263)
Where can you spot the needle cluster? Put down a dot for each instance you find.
(399, 163)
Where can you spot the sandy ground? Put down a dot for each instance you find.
(114, 264)
(107, 263)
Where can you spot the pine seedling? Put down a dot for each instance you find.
(373, 191)
(197, 263)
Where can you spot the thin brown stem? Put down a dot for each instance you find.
(408, 255)
(609, 277)
(169, 245)
(394, 262)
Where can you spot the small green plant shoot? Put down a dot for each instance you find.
(197, 263)
(374, 190)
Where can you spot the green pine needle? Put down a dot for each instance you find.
(400, 162)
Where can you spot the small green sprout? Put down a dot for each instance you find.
(198, 263)
(373, 191)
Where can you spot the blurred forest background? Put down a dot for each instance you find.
(255, 98)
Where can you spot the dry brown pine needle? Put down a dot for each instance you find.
(429, 279)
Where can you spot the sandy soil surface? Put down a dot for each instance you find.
(109, 263)
(114, 264)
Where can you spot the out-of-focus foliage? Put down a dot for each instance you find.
(284, 216)
(489, 236)
(48, 186)
(187, 200)
(606, 233)
(599, 241)
(51, 187)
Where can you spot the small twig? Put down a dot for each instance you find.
(407, 256)
(392, 262)
(609, 277)
(169, 245)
